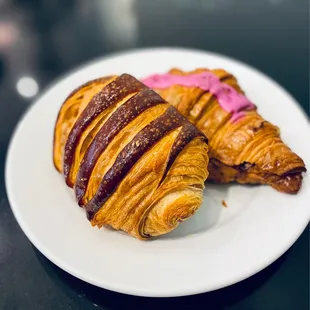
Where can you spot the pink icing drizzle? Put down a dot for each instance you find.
(229, 99)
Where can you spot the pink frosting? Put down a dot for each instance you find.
(228, 98)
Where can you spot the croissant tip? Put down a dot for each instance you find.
(289, 184)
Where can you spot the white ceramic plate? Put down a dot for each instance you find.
(217, 247)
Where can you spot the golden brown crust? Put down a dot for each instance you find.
(96, 110)
(247, 151)
(126, 113)
(69, 112)
(135, 162)
(134, 150)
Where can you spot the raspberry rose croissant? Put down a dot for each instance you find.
(134, 161)
(243, 146)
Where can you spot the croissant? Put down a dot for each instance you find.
(243, 147)
(135, 163)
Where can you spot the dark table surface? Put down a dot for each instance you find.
(44, 39)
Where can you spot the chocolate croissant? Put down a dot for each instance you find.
(243, 146)
(134, 161)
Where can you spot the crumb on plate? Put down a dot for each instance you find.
(224, 203)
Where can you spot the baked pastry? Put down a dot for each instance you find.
(243, 146)
(134, 161)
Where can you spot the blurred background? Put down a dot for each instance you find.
(42, 39)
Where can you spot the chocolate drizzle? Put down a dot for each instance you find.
(88, 84)
(64, 105)
(186, 135)
(115, 91)
(130, 155)
(119, 119)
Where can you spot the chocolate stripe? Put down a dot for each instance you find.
(133, 151)
(114, 92)
(186, 135)
(89, 83)
(85, 85)
(118, 120)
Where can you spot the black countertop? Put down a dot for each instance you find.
(44, 39)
